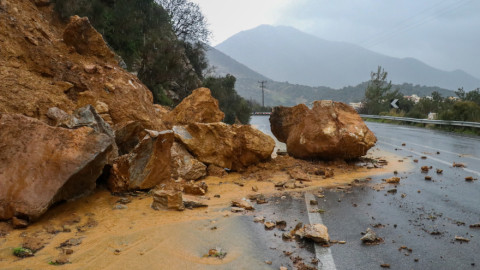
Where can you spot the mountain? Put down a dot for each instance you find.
(223, 64)
(287, 54)
(288, 94)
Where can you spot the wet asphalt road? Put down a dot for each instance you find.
(426, 219)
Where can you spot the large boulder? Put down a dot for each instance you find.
(41, 165)
(330, 130)
(199, 107)
(80, 34)
(146, 166)
(184, 165)
(229, 146)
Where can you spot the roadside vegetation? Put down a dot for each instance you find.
(379, 94)
(163, 42)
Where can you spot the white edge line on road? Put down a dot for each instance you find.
(432, 158)
(323, 254)
(441, 150)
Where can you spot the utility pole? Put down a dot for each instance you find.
(262, 85)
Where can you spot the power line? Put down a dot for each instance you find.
(262, 85)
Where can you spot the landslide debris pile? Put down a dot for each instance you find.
(70, 115)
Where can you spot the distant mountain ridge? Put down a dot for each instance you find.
(287, 94)
(286, 54)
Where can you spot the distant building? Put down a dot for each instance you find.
(356, 105)
(413, 98)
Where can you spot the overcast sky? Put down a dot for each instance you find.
(442, 33)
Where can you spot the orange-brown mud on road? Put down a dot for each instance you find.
(138, 237)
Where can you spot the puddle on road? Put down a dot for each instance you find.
(141, 238)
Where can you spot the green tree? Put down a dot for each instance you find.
(235, 107)
(379, 94)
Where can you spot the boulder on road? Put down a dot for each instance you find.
(330, 130)
(229, 146)
(41, 165)
(146, 166)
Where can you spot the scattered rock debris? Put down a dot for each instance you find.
(461, 239)
(243, 204)
(216, 253)
(458, 165)
(371, 238)
(393, 180)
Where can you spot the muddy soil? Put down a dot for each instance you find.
(95, 233)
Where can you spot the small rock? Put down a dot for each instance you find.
(258, 219)
(280, 184)
(68, 251)
(195, 189)
(22, 252)
(283, 268)
(19, 223)
(476, 225)
(425, 168)
(254, 188)
(281, 224)
(342, 242)
(428, 178)
(439, 171)
(469, 178)
(317, 232)
(117, 251)
(119, 207)
(392, 191)
(268, 262)
(385, 265)
(237, 209)
(369, 237)
(167, 199)
(393, 180)
(415, 160)
(290, 184)
(458, 165)
(90, 69)
(124, 200)
(192, 202)
(461, 239)
(61, 260)
(71, 242)
(313, 202)
(269, 225)
(243, 204)
(423, 157)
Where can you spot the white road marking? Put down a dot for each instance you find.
(436, 149)
(323, 254)
(431, 157)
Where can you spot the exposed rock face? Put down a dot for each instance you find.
(80, 34)
(128, 135)
(41, 165)
(167, 200)
(330, 130)
(42, 66)
(199, 107)
(228, 146)
(184, 165)
(146, 166)
(217, 171)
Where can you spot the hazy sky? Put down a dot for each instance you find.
(442, 33)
